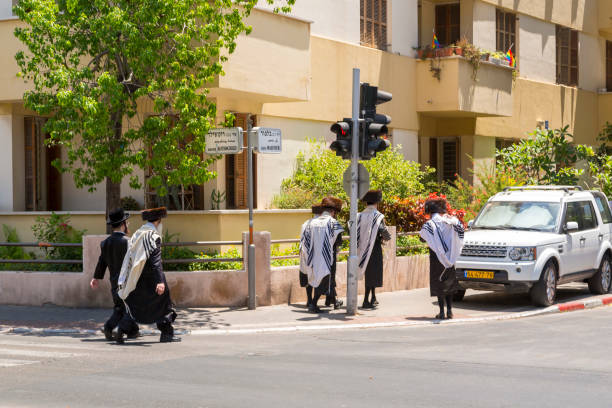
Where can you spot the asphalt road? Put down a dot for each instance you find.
(561, 360)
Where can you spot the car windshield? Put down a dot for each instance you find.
(519, 215)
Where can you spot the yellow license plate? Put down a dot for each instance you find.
(479, 274)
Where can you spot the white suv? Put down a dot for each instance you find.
(535, 238)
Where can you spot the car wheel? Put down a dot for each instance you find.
(458, 295)
(543, 293)
(600, 282)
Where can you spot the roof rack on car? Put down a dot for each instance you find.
(563, 188)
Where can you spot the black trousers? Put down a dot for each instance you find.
(118, 312)
(164, 324)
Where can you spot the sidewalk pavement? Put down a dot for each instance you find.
(403, 308)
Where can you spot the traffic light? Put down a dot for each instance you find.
(374, 124)
(342, 144)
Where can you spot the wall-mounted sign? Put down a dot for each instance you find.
(224, 141)
(267, 140)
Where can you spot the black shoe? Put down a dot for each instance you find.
(338, 304)
(449, 314)
(366, 305)
(440, 316)
(374, 302)
(314, 309)
(119, 338)
(169, 338)
(108, 334)
(134, 336)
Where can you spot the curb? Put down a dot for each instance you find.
(561, 308)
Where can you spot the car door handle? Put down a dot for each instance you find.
(600, 236)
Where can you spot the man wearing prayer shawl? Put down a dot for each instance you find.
(371, 231)
(142, 283)
(320, 242)
(444, 236)
(316, 212)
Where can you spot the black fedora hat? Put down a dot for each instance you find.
(117, 216)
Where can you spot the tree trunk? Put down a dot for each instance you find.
(113, 190)
(113, 198)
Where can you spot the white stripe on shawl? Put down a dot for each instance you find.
(305, 244)
(140, 247)
(368, 223)
(444, 235)
(319, 237)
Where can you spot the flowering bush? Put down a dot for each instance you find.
(408, 214)
(56, 229)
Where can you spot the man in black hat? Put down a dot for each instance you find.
(112, 252)
(142, 283)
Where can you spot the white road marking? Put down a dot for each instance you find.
(7, 362)
(102, 346)
(36, 353)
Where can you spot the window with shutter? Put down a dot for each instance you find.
(183, 197)
(236, 172)
(373, 23)
(609, 66)
(450, 159)
(505, 28)
(30, 164)
(43, 182)
(567, 56)
(447, 23)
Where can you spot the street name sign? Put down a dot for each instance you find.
(224, 141)
(267, 140)
(363, 181)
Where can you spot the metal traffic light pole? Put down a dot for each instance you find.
(351, 273)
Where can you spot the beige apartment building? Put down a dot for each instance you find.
(294, 73)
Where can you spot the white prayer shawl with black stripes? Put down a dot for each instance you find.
(304, 245)
(368, 223)
(318, 242)
(444, 235)
(140, 247)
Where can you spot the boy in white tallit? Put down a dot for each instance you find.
(316, 212)
(320, 241)
(371, 231)
(444, 236)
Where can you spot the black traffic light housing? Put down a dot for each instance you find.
(344, 131)
(374, 124)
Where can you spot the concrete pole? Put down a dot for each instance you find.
(351, 270)
(252, 304)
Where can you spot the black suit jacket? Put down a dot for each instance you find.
(112, 252)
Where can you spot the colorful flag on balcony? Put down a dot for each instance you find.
(510, 57)
(434, 43)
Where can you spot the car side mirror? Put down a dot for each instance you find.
(571, 226)
(470, 223)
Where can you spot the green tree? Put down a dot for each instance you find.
(318, 173)
(549, 157)
(97, 65)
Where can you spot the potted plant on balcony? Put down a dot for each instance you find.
(443, 52)
(472, 54)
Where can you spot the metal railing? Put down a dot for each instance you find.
(42, 245)
(344, 238)
(200, 260)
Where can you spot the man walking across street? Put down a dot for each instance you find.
(142, 283)
(371, 231)
(112, 252)
(316, 212)
(322, 238)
